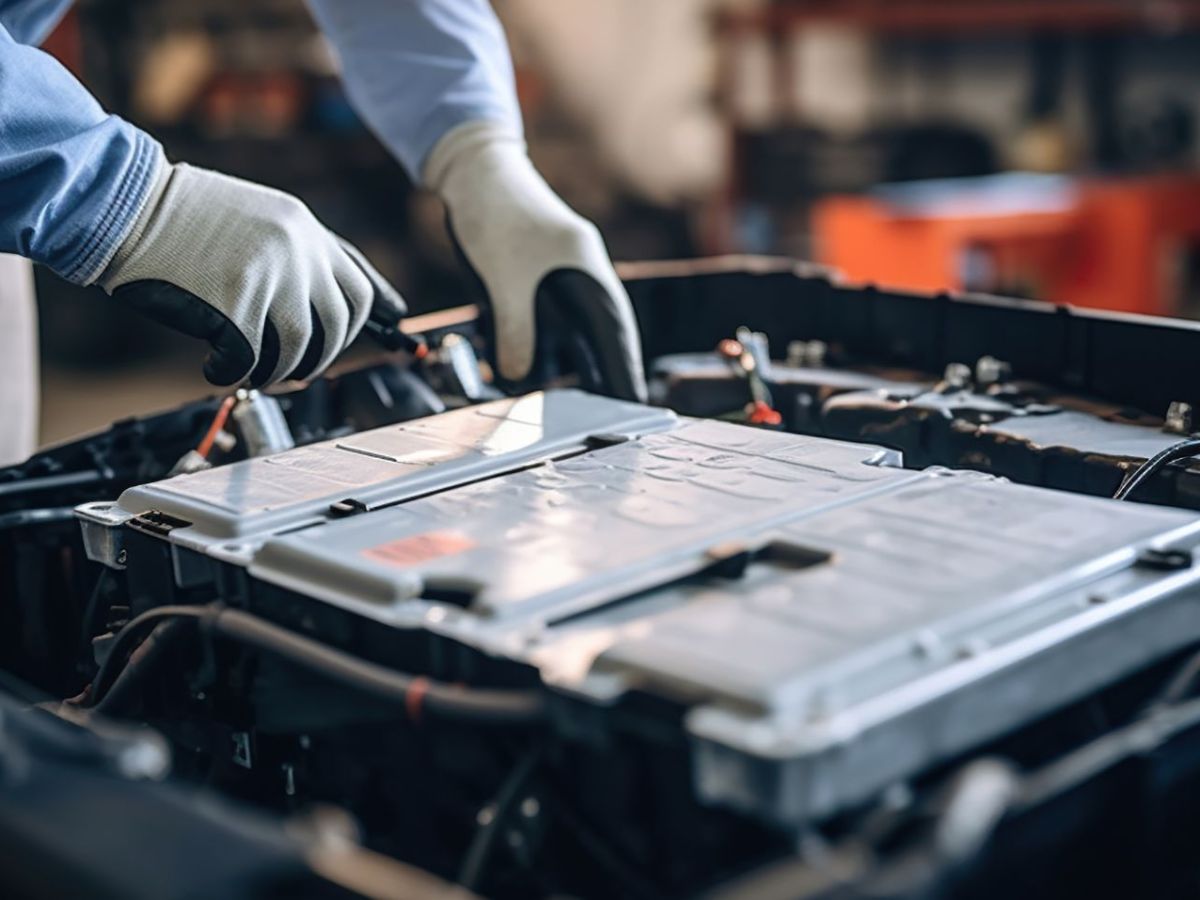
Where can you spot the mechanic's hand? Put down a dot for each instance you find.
(248, 269)
(542, 265)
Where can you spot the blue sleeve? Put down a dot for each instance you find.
(29, 21)
(72, 178)
(417, 68)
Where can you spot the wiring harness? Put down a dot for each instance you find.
(133, 655)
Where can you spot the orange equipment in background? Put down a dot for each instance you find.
(1130, 244)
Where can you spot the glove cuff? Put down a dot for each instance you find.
(464, 147)
(158, 186)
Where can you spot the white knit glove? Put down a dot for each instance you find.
(248, 269)
(544, 268)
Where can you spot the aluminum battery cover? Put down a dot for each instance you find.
(248, 500)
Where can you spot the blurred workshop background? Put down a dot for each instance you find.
(1039, 149)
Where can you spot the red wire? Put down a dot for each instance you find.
(218, 422)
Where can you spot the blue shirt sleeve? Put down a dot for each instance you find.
(29, 21)
(72, 177)
(417, 68)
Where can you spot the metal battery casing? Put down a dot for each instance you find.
(232, 509)
(932, 611)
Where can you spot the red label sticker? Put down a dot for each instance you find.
(419, 548)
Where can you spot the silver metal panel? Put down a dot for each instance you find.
(286, 490)
(925, 573)
(537, 545)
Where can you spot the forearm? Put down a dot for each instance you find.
(72, 178)
(415, 69)
(434, 79)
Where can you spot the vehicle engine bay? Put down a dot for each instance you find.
(882, 595)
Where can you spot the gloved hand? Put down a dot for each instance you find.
(248, 269)
(541, 264)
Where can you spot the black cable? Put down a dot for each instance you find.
(128, 637)
(53, 482)
(417, 693)
(473, 704)
(142, 660)
(475, 862)
(26, 517)
(1174, 453)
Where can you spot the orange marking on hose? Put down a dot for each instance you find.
(413, 697)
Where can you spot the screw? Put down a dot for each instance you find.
(925, 644)
(957, 375)
(970, 649)
(121, 557)
(989, 370)
(1179, 418)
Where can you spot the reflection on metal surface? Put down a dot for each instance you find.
(386, 465)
